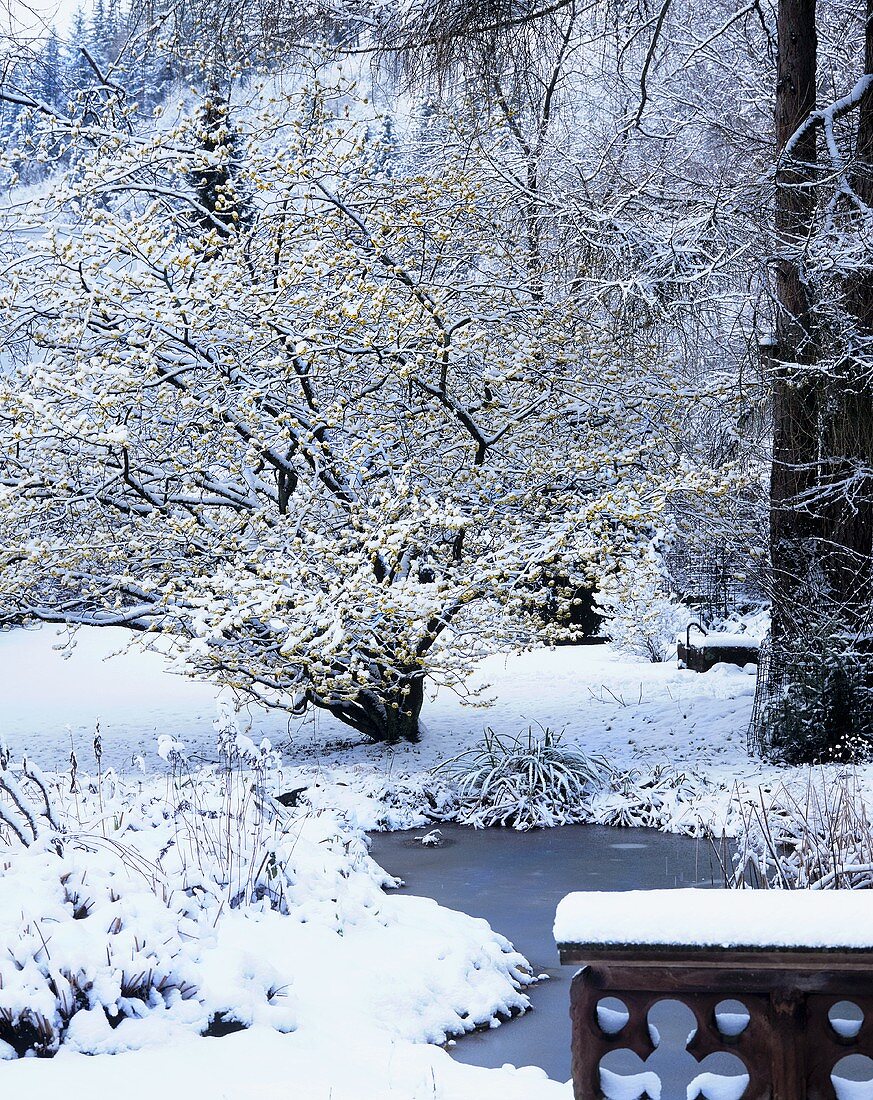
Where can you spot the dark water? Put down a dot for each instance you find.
(515, 881)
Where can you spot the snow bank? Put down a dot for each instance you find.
(342, 1062)
(162, 909)
(713, 918)
(99, 959)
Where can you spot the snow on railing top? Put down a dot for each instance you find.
(727, 641)
(732, 641)
(836, 919)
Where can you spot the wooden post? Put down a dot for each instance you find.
(788, 1045)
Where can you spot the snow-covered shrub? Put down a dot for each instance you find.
(524, 782)
(375, 801)
(442, 444)
(137, 931)
(406, 798)
(559, 598)
(657, 798)
(818, 706)
(643, 617)
(101, 955)
(818, 837)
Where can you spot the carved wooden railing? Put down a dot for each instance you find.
(751, 1023)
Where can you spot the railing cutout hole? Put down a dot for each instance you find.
(846, 1018)
(612, 1015)
(852, 1077)
(731, 1018)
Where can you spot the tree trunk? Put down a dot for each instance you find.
(388, 713)
(816, 696)
(795, 396)
(849, 516)
(787, 682)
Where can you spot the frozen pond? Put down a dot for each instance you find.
(515, 881)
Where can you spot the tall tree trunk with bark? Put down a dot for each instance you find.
(849, 442)
(816, 686)
(795, 390)
(848, 467)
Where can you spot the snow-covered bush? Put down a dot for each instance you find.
(642, 615)
(376, 801)
(128, 913)
(525, 782)
(102, 954)
(816, 837)
(233, 844)
(657, 798)
(820, 707)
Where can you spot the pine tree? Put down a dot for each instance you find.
(51, 76)
(217, 184)
(79, 74)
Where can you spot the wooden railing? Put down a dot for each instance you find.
(787, 1017)
(734, 995)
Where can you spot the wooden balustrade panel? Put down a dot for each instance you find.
(788, 1048)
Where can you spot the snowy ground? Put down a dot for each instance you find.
(341, 989)
(345, 988)
(639, 715)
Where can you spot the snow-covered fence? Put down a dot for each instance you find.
(759, 994)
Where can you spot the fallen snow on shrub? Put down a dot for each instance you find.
(197, 903)
(104, 958)
(534, 781)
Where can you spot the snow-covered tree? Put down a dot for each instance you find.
(817, 696)
(327, 446)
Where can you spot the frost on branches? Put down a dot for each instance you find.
(317, 428)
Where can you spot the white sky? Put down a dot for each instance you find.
(34, 18)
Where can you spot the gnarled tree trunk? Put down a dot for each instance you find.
(389, 712)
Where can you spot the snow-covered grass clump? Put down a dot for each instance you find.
(525, 781)
(660, 797)
(535, 781)
(815, 835)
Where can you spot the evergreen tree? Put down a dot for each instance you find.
(50, 72)
(79, 74)
(97, 29)
(216, 182)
